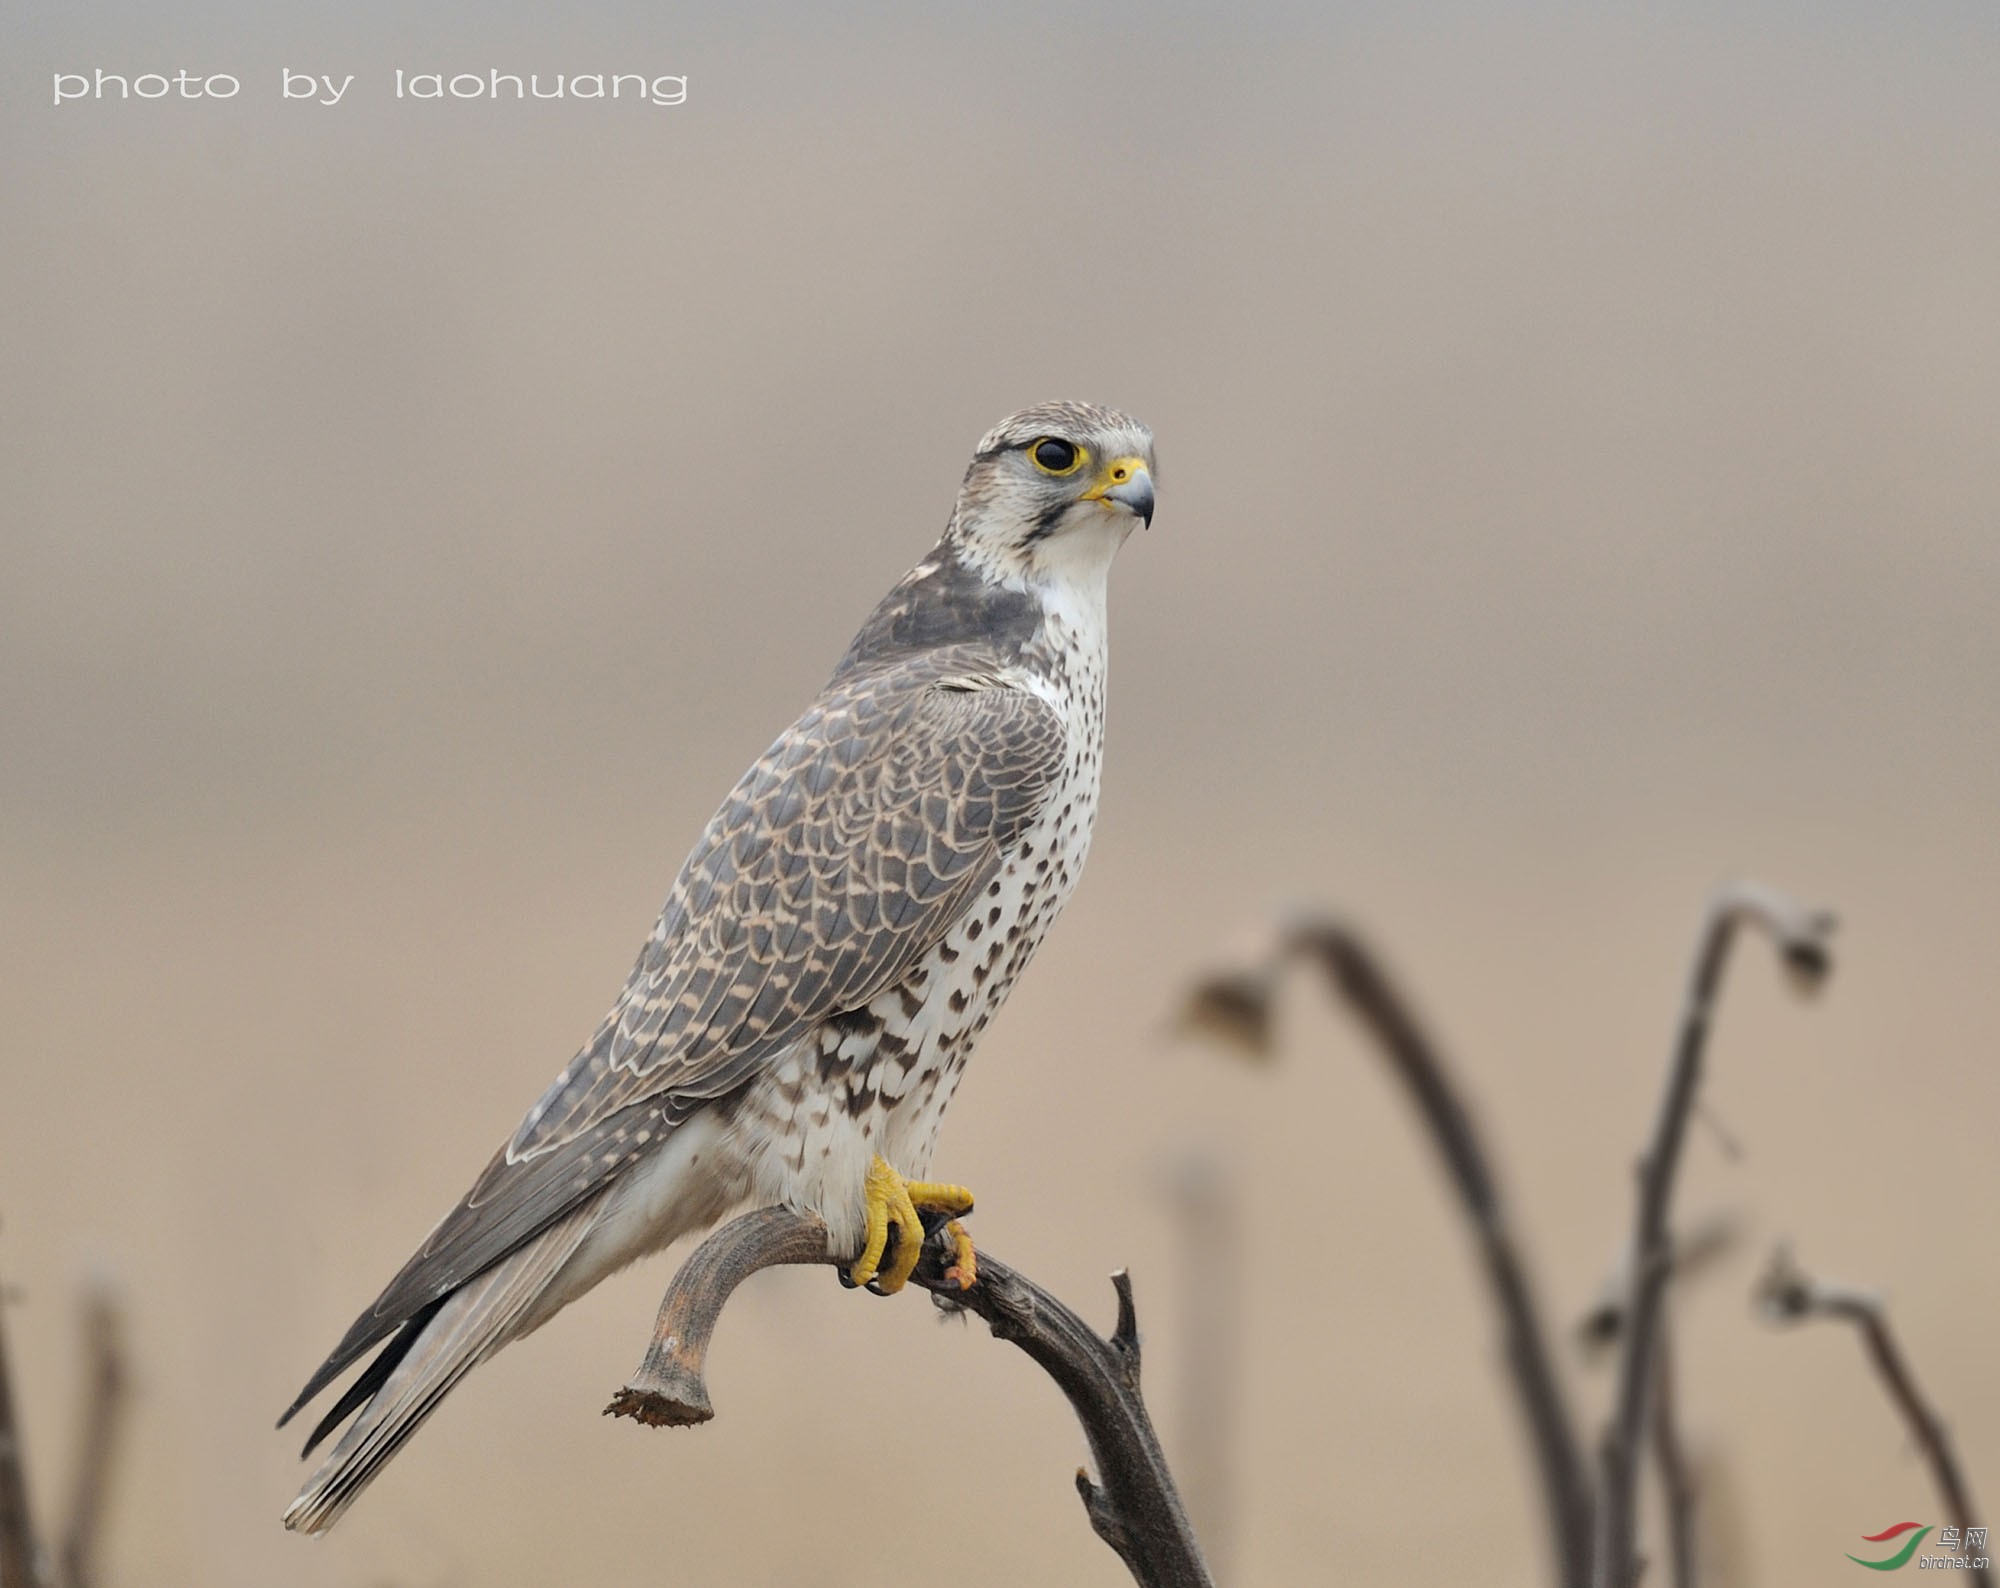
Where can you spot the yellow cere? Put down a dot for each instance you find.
(1115, 474)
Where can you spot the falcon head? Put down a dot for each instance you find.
(1053, 491)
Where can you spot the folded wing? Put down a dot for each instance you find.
(841, 858)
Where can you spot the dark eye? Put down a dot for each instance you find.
(1055, 457)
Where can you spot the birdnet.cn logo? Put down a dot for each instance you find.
(1966, 1546)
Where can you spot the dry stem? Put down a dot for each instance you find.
(19, 1556)
(1789, 1295)
(1677, 1484)
(101, 1417)
(1240, 1005)
(1133, 1505)
(1801, 936)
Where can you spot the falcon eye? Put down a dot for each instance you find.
(1056, 457)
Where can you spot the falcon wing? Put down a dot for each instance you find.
(842, 857)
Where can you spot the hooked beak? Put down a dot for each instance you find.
(1127, 484)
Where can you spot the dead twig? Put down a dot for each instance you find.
(20, 1557)
(669, 1390)
(1801, 936)
(102, 1418)
(1238, 1005)
(1133, 1505)
(1604, 1325)
(1677, 1483)
(1695, 1252)
(1787, 1294)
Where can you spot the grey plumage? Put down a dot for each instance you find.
(808, 939)
(836, 860)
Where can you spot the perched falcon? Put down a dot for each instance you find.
(846, 926)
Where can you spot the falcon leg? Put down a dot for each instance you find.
(898, 1204)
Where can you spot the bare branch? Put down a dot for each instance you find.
(1677, 1484)
(1695, 1252)
(1239, 1005)
(1133, 1505)
(669, 1390)
(20, 1556)
(1788, 1295)
(101, 1419)
(1801, 936)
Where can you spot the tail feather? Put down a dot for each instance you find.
(419, 1367)
(372, 1378)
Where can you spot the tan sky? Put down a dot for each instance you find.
(1577, 485)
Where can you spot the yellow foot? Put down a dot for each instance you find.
(894, 1202)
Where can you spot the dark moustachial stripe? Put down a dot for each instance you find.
(1046, 521)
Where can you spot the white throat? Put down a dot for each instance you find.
(1078, 556)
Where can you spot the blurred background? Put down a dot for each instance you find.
(1578, 486)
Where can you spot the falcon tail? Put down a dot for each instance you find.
(418, 1368)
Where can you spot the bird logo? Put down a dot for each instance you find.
(1918, 1533)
